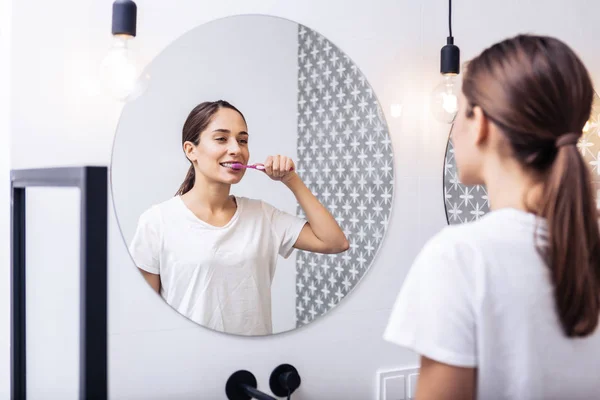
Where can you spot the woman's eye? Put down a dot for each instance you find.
(220, 139)
(244, 141)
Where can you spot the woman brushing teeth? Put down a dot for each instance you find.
(212, 255)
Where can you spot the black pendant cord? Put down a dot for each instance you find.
(450, 17)
(450, 54)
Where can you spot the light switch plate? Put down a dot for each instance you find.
(412, 385)
(394, 384)
(394, 388)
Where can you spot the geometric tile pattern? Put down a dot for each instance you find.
(345, 158)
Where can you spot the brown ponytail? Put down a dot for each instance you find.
(537, 91)
(194, 125)
(188, 182)
(573, 252)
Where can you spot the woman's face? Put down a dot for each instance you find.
(465, 136)
(224, 141)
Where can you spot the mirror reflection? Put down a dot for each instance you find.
(253, 180)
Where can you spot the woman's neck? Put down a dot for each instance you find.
(211, 196)
(509, 186)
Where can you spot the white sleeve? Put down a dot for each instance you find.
(145, 245)
(287, 228)
(434, 312)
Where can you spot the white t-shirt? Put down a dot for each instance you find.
(479, 295)
(219, 277)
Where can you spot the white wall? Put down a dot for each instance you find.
(154, 353)
(5, 30)
(52, 290)
(249, 61)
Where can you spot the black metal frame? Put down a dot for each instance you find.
(93, 183)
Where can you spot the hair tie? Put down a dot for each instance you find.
(567, 139)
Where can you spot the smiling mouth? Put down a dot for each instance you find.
(230, 165)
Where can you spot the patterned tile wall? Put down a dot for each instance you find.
(345, 158)
(469, 203)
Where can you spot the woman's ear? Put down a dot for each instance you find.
(480, 124)
(190, 150)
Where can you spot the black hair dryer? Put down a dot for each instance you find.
(241, 385)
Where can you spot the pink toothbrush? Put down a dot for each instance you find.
(259, 167)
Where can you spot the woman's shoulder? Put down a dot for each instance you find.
(448, 238)
(458, 242)
(155, 212)
(468, 244)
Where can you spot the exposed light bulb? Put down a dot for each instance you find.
(586, 127)
(120, 71)
(444, 99)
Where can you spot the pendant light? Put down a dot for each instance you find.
(444, 97)
(121, 68)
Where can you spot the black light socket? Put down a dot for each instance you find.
(450, 58)
(124, 17)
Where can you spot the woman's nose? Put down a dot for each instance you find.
(234, 147)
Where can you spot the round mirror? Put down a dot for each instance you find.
(469, 203)
(232, 246)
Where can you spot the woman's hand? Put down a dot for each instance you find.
(322, 233)
(280, 168)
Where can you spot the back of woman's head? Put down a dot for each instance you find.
(539, 94)
(197, 121)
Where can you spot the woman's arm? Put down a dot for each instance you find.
(152, 279)
(438, 381)
(321, 234)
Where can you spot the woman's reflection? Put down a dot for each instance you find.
(212, 255)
